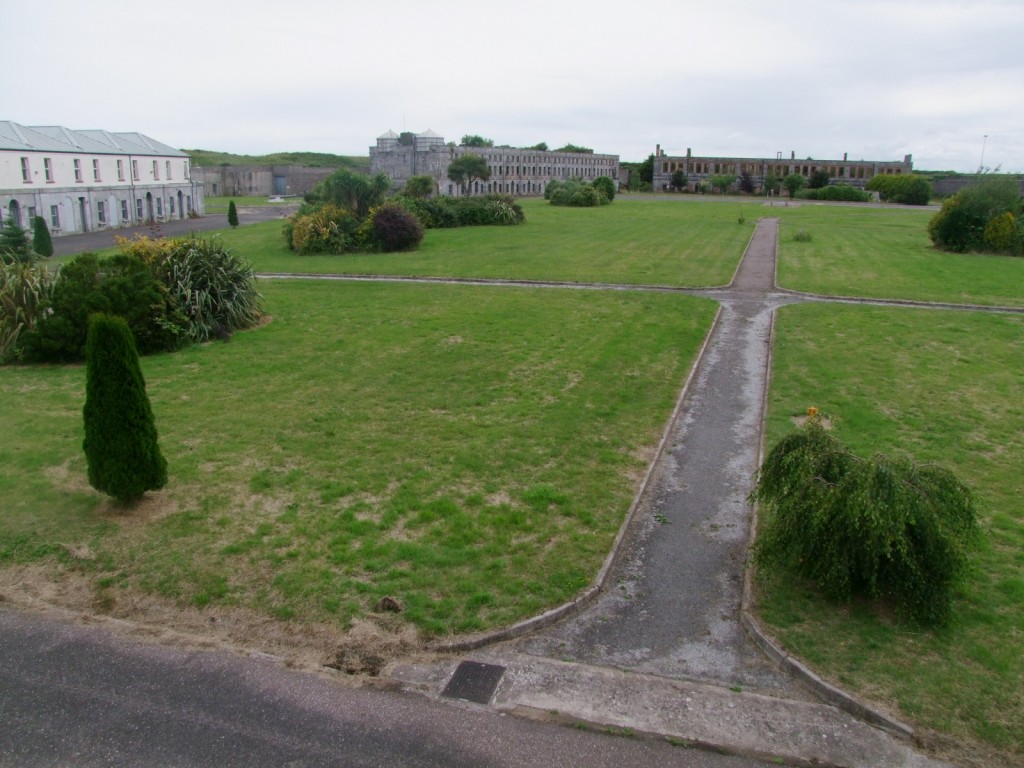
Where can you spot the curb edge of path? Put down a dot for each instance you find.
(791, 665)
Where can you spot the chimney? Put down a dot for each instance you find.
(844, 157)
(687, 153)
(792, 155)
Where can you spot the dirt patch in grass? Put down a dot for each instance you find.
(366, 648)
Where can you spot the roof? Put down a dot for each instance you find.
(57, 138)
(429, 134)
(388, 135)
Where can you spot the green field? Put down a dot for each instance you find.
(471, 451)
(945, 387)
(631, 241)
(885, 253)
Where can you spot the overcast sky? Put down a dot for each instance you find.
(877, 80)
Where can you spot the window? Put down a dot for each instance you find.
(54, 217)
(159, 206)
(156, 170)
(138, 208)
(95, 170)
(188, 203)
(135, 170)
(25, 175)
(124, 210)
(32, 213)
(78, 169)
(170, 205)
(120, 170)
(48, 170)
(167, 167)
(101, 212)
(184, 170)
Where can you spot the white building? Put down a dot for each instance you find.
(80, 181)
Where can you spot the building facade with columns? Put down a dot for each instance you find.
(519, 172)
(697, 169)
(81, 181)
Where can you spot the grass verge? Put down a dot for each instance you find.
(469, 451)
(944, 387)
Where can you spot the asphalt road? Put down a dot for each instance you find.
(105, 238)
(80, 696)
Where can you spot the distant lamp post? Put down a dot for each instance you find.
(981, 166)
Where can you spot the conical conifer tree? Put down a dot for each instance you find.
(232, 214)
(120, 445)
(42, 243)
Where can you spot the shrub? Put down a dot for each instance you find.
(1000, 232)
(605, 186)
(121, 450)
(802, 236)
(42, 243)
(908, 189)
(881, 528)
(232, 214)
(574, 192)
(395, 229)
(835, 192)
(121, 285)
(325, 229)
(214, 289)
(25, 291)
(14, 245)
(961, 223)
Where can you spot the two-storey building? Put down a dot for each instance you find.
(80, 181)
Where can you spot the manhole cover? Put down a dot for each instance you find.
(474, 681)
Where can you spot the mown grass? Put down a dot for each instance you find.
(220, 204)
(642, 241)
(944, 387)
(885, 253)
(470, 451)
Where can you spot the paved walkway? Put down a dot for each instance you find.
(662, 648)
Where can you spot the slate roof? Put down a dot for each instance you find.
(57, 138)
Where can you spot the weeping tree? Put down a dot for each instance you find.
(121, 449)
(882, 528)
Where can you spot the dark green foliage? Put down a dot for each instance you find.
(232, 214)
(213, 288)
(476, 141)
(574, 192)
(909, 189)
(465, 169)
(353, 191)
(419, 186)
(121, 285)
(879, 528)
(448, 212)
(771, 184)
(25, 291)
(747, 182)
(646, 170)
(679, 181)
(575, 149)
(838, 192)
(42, 243)
(539, 147)
(121, 449)
(605, 186)
(819, 179)
(14, 244)
(793, 183)
(723, 181)
(960, 225)
(209, 158)
(396, 229)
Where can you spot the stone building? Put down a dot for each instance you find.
(856, 173)
(259, 181)
(519, 172)
(80, 181)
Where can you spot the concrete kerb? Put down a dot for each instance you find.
(826, 691)
(572, 607)
(907, 303)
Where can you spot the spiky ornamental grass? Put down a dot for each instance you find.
(121, 450)
(881, 528)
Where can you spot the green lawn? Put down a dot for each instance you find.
(885, 253)
(944, 387)
(471, 451)
(220, 204)
(640, 241)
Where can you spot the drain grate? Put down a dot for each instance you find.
(474, 681)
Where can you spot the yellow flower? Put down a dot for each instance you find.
(812, 412)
